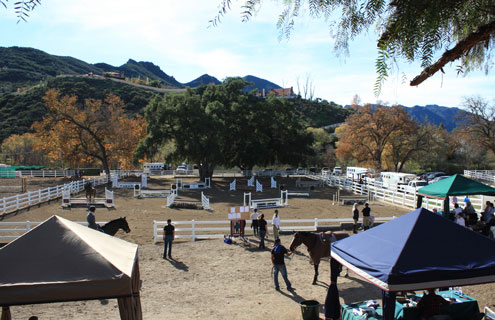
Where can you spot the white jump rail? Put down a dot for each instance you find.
(69, 201)
(266, 203)
(194, 185)
(13, 231)
(26, 200)
(151, 193)
(194, 229)
(297, 194)
(129, 185)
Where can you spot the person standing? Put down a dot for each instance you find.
(263, 232)
(276, 225)
(254, 222)
(278, 260)
(168, 238)
(91, 219)
(366, 216)
(355, 217)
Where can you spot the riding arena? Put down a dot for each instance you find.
(207, 278)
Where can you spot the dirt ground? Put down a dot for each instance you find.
(209, 279)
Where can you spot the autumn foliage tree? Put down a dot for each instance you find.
(84, 132)
(20, 150)
(368, 132)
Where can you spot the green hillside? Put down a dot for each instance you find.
(19, 111)
(23, 67)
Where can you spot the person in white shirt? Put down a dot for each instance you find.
(276, 225)
(254, 222)
(460, 220)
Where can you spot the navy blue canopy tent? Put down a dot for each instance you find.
(416, 251)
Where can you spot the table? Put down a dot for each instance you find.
(460, 310)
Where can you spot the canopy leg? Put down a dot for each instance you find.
(6, 314)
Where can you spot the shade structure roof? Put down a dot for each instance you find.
(60, 260)
(418, 250)
(456, 185)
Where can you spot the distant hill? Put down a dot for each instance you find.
(34, 72)
(260, 84)
(21, 67)
(142, 69)
(203, 80)
(449, 117)
(434, 114)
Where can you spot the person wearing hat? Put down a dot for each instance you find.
(92, 219)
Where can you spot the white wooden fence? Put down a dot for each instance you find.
(12, 230)
(217, 229)
(485, 175)
(25, 200)
(406, 198)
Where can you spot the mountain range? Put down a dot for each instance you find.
(26, 73)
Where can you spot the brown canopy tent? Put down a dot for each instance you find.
(60, 260)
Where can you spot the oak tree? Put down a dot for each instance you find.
(94, 130)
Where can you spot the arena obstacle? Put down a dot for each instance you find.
(171, 198)
(266, 203)
(151, 193)
(129, 185)
(273, 183)
(259, 186)
(205, 202)
(68, 201)
(297, 194)
(233, 185)
(308, 183)
(197, 185)
(251, 182)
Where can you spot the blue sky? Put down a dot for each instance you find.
(175, 36)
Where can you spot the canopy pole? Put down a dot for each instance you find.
(419, 202)
(388, 303)
(332, 301)
(6, 313)
(446, 209)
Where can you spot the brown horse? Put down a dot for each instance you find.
(113, 226)
(318, 245)
(90, 192)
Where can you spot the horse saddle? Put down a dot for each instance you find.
(327, 236)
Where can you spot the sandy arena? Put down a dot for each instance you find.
(209, 279)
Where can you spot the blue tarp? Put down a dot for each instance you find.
(418, 250)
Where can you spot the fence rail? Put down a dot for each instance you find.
(406, 198)
(28, 199)
(485, 175)
(194, 229)
(11, 231)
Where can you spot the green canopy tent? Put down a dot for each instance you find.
(456, 185)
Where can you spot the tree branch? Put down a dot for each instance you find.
(481, 34)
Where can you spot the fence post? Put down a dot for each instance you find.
(155, 232)
(316, 223)
(28, 226)
(17, 201)
(193, 232)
